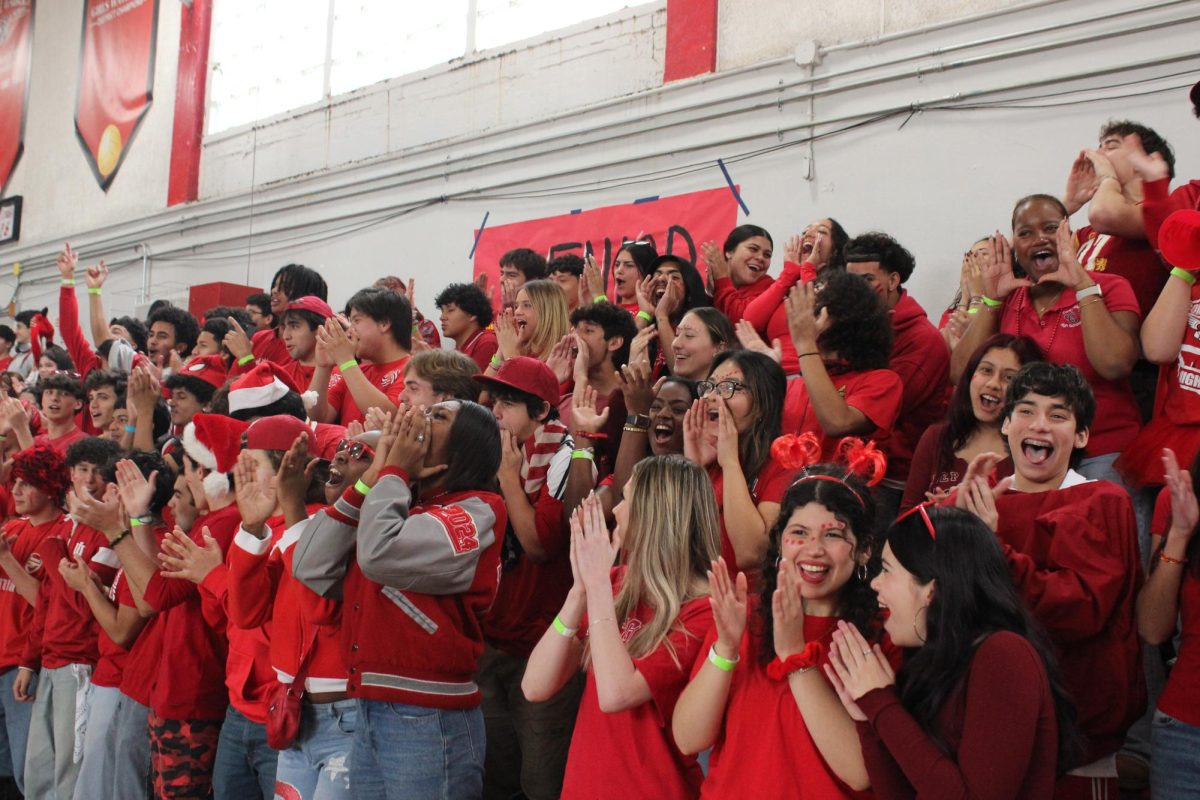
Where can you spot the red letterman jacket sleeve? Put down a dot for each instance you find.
(759, 310)
(323, 552)
(255, 567)
(433, 551)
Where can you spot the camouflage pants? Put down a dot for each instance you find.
(181, 756)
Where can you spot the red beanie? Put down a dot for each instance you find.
(277, 432)
(44, 469)
(1179, 240)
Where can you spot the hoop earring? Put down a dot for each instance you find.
(862, 572)
(778, 561)
(914, 623)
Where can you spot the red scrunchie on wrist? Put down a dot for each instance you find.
(810, 656)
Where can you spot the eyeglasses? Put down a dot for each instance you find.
(920, 507)
(726, 388)
(355, 450)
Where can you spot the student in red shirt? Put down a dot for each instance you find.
(40, 483)
(381, 322)
(645, 622)
(950, 724)
(919, 356)
(8, 338)
(738, 271)
(61, 400)
(173, 334)
(845, 388)
(1171, 593)
(290, 282)
(1071, 546)
(425, 571)
(104, 389)
(630, 266)
(972, 423)
(298, 328)
(192, 387)
(466, 317)
(757, 695)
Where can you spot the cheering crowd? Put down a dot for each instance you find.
(631, 530)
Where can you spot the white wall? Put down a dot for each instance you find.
(586, 107)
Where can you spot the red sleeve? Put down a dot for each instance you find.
(1160, 523)
(666, 668)
(1086, 568)
(924, 370)
(998, 728)
(1158, 203)
(551, 528)
(482, 353)
(759, 310)
(335, 395)
(163, 593)
(253, 580)
(878, 396)
(920, 472)
(31, 656)
(68, 325)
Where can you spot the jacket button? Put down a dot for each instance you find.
(354, 648)
(356, 607)
(352, 670)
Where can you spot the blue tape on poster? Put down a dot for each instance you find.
(478, 234)
(732, 188)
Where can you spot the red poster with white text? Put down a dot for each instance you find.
(16, 48)
(116, 80)
(678, 225)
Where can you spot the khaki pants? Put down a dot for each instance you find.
(527, 743)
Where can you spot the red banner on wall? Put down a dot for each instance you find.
(677, 225)
(116, 80)
(16, 47)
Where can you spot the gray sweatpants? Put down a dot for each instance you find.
(56, 732)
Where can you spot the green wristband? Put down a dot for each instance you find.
(562, 629)
(1183, 275)
(989, 302)
(723, 664)
(583, 453)
(345, 365)
(246, 359)
(599, 299)
(646, 315)
(68, 281)
(361, 487)
(94, 290)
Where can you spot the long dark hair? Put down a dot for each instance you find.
(850, 501)
(974, 596)
(960, 415)
(474, 448)
(767, 386)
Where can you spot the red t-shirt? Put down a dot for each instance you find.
(1133, 259)
(764, 748)
(16, 613)
(1179, 386)
(481, 347)
(767, 487)
(1159, 202)
(267, 345)
(387, 378)
(111, 663)
(1181, 697)
(767, 313)
(875, 392)
(921, 359)
(60, 444)
(927, 475)
(139, 677)
(1059, 332)
(632, 753)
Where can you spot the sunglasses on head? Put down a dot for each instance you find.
(920, 507)
(355, 450)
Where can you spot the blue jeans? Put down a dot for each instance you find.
(245, 763)
(1175, 774)
(14, 733)
(403, 752)
(317, 765)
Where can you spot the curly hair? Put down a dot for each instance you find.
(859, 331)
(187, 328)
(876, 246)
(470, 299)
(92, 450)
(44, 469)
(850, 501)
(1152, 141)
(615, 321)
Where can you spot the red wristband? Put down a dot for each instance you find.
(809, 657)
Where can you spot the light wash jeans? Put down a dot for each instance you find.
(317, 765)
(1175, 774)
(14, 733)
(403, 752)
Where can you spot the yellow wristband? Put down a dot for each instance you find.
(562, 629)
(246, 359)
(361, 488)
(93, 290)
(646, 315)
(599, 299)
(345, 365)
(989, 302)
(1184, 275)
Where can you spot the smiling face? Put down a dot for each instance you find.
(693, 348)
(525, 314)
(102, 402)
(667, 274)
(1035, 237)
(58, 407)
(1041, 437)
(741, 406)
(625, 277)
(816, 243)
(823, 548)
(348, 465)
(905, 600)
(666, 418)
(989, 382)
(750, 260)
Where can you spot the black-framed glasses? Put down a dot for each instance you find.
(726, 388)
(355, 450)
(920, 507)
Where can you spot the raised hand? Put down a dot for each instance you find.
(67, 261)
(77, 574)
(728, 455)
(236, 341)
(591, 282)
(103, 513)
(644, 291)
(256, 499)
(1070, 272)
(998, 278)
(135, 490)
(1082, 182)
(95, 277)
(562, 357)
(693, 433)
(595, 550)
(729, 604)
(670, 301)
(507, 338)
(584, 417)
(295, 472)
(793, 249)
(510, 456)
(639, 348)
(787, 611)
(750, 340)
(338, 344)
(373, 420)
(636, 388)
(804, 323)
(718, 265)
(1184, 510)
(1148, 166)
(183, 558)
(859, 666)
(411, 446)
(386, 438)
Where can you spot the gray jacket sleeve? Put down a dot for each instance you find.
(323, 552)
(432, 552)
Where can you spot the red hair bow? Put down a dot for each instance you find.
(862, 459)
(796, 452)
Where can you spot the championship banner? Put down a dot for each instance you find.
(677, 225)
(116, 80)
(16, 46)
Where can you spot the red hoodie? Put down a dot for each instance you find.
(1159, 202)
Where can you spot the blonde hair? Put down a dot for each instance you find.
(553, 319)
(672, 539)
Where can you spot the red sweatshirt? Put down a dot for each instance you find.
(768, 316)
(435, 564)
(732, 300)
(1158, 203)
(16, 613)
(64, 630)
(267, 345)
(77, 345)
(1073, 555)
(998, 743)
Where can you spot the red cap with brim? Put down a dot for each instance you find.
(311, 303)
(527, 375)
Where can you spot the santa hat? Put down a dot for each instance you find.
(277, 432)
(213, 441)
(41, 336)
(210, 369)
(325, 438)
(1179, 240)
(267, 383)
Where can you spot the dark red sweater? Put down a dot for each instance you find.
(998, 731)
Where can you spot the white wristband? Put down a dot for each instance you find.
(1094, 289)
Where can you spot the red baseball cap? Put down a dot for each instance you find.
(527, 375)
(1179, 239)
(311, 303)
(276, 433)
(210, 369)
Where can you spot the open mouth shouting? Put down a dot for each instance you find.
(1037, 451)
(1045, 259)
(990, 403)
